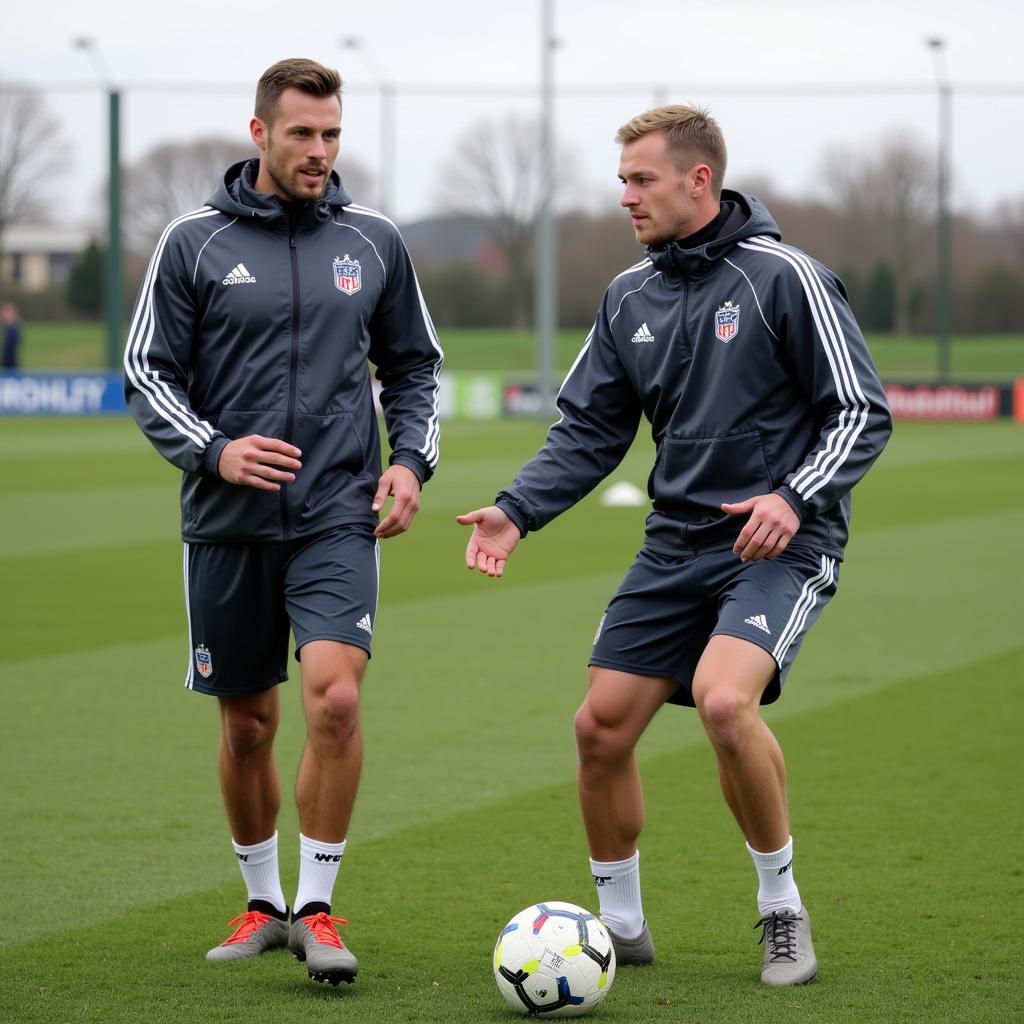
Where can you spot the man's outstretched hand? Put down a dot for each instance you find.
(493, 539)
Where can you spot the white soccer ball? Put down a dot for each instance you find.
(554, 960)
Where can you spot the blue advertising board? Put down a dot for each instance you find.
(60, 394)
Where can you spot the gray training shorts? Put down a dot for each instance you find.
(668, 607)
(243, 599)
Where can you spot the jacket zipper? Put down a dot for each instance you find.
(293, 370)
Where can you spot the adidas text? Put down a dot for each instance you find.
(643, 335)
(239, 275)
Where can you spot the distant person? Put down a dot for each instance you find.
(246, 367)
(12, 335)
(766, 409)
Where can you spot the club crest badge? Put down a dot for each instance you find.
(204, 663)
(727, 322)
(348, 275)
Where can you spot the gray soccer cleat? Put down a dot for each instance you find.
(637, 951)
(255, 933)
(788, 952)
(315, 941)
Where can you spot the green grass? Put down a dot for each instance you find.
(990, 358)
(900, 723)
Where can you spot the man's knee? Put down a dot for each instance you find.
(598, 736)
(332, 713)
(727, 714)
(248, 728)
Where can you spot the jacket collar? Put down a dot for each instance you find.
(745, 216)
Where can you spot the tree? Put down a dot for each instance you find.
(495, 175)
(888, 203)
(30, 151)
(84, 289)
(174, 177)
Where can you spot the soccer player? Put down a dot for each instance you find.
(246, 367)
(766, 409)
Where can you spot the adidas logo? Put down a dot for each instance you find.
(240, 275)
(364, 623)
(760, 621)
(643, 335)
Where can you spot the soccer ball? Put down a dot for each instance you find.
(554, 960)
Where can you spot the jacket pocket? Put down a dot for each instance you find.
(216, 510)
(340, 466)
(692, 477)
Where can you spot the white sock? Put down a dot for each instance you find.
(777, 887)
(318, 869)
(618, 893)
(260, 873)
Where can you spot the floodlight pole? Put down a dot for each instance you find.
(114, 297)
(113, 291)
(546, 227)
(944, 278)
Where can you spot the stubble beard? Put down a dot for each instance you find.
(287, 189)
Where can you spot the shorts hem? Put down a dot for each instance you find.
(770, 651)
(210, 691)
(348, 639)
(635, 670)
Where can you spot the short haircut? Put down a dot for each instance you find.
(691, 134)
(295, 73)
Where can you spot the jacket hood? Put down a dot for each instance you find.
(747, 217)
(236, 196)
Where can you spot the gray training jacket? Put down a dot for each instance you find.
(259, 317)
(744, 356)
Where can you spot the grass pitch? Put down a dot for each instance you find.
(900, 723)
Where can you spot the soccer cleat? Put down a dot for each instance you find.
(788, 952)
(637, 951)
(255, 933)
(314, 940)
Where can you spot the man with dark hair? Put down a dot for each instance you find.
(246, 367)
(766, 409)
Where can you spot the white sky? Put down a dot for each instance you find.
(655, 50)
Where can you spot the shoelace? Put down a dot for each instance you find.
(248, 924)
(322, 927)
(780, 933)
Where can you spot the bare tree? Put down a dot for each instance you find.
(30, 150)
(888, 202)
(174, 177)
(494, 174)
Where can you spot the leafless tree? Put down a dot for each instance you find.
(174, 177)
(31, 152)
(888, 203)
(494, 174)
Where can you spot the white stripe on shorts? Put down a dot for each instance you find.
(808, 598)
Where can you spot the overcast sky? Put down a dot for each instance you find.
(732, 56)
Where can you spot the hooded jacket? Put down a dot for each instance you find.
(745, 358)
(258, 317)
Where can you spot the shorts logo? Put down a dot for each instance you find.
(727, 322)
(364, 624)
(204, 663)
(600, 626)
(348, 275)
(760, 621)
